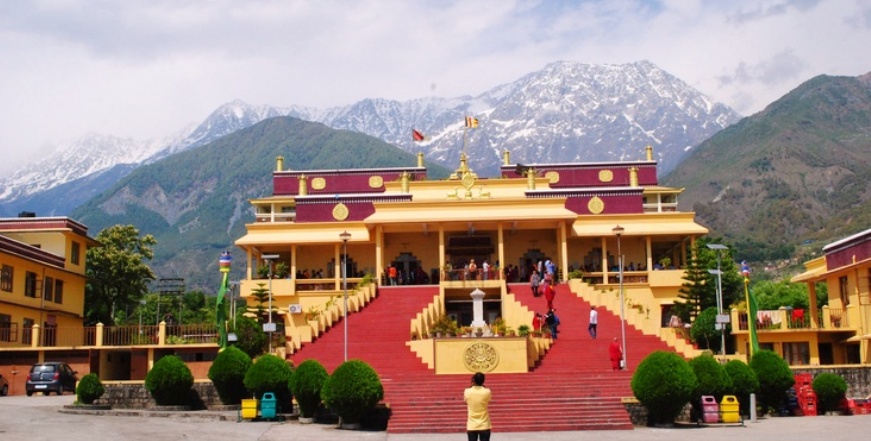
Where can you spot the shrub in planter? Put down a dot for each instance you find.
(228, 374)
(306, 383)
(775, 378)
(270, 374)
(352, 389)
(830, 389)
(744, 383)
(169, 381)
(89, 389)
(663, 383)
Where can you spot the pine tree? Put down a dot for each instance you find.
(697, 292)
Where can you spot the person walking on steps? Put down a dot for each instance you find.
(477, 399)
(534, 281)
(594, 322)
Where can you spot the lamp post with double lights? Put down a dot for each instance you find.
(721, 318)
(345, 236)
(618, 231)
(269, 328)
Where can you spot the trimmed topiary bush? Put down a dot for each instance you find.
(169, 381)
(353, 389)
(89, 389)
(228, 374)
(744, 383)
(270, 374)
(306, 383)
(663, 383)
(830, 389)
(712, 380)
(775, 378)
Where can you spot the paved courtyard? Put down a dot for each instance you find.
(37, 418)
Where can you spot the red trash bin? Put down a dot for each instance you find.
(710, 409)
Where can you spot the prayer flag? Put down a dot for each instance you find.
(471, 122)
(416, 136)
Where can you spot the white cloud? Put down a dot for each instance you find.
(146, 68)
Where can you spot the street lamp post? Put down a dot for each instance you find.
(721, 320)
(618, 230)
(141, 307)
(345, 236)
(270, 327)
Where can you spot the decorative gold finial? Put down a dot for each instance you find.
(649, 153)
(506, 157)
(530, 179)
(633, 176)
(303, 187)
(279, 163)
(420, 159)
(404, 177)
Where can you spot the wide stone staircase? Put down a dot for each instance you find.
(572, 388)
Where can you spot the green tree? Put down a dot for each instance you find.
(261, 295)
(250, 337)
(704, 332)
(744, 383)
(117, 273)
(663, 382)
(775, 378)
(696, 293)
(773, 295)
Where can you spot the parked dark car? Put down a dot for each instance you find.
(51, 377)
(4, 387)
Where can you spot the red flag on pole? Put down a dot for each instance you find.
(416, 136)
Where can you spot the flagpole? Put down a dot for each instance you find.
(751, 321)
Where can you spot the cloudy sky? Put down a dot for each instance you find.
(145, 69)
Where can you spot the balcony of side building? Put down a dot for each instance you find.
(101, 336)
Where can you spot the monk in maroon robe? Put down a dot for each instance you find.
(616, 354)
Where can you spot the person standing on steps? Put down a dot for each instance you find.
(615, 352)
(549, 293)
(534, 281)
(552, 322)
(477, 399)
(594, 322)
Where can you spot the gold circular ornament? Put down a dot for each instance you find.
(606, 175)
(468, 180)
(552, 176)
(340, 212)
(319, 183)
(481, 357)
(596, 205)
(376, 181)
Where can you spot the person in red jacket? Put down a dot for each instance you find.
(549, 294)
(616, 354)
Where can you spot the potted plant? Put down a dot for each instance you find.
(523, 330)
(444, 326)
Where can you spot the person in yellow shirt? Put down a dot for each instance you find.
(477, 398)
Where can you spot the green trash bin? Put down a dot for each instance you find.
(268, 405)
(730, 411)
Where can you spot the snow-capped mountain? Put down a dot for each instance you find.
(564, 112)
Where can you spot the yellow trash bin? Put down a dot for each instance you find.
(249, 409)
(730, 411)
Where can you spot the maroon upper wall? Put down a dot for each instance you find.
(588, 175)
(286, 183)
(613, 204)
(320, 208)
(851, 251)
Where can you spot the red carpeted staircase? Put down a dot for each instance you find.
(572, 388)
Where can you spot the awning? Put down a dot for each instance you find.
(857, 338)
(640, 225)
(304, 235)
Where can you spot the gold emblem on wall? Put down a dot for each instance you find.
(319, 183)
(376, 181)
(552, 176)
(340, 212)
(481, 357)
(606, 175)
(596, 205)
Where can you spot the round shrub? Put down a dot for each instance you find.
(711, 376)
(744, 383)
(228, 374)
(89, 389)
(169, 381)
(270, 374)
(830, 389)
(306, 383)
(351, 390)
(775, 378)
(663, 383)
